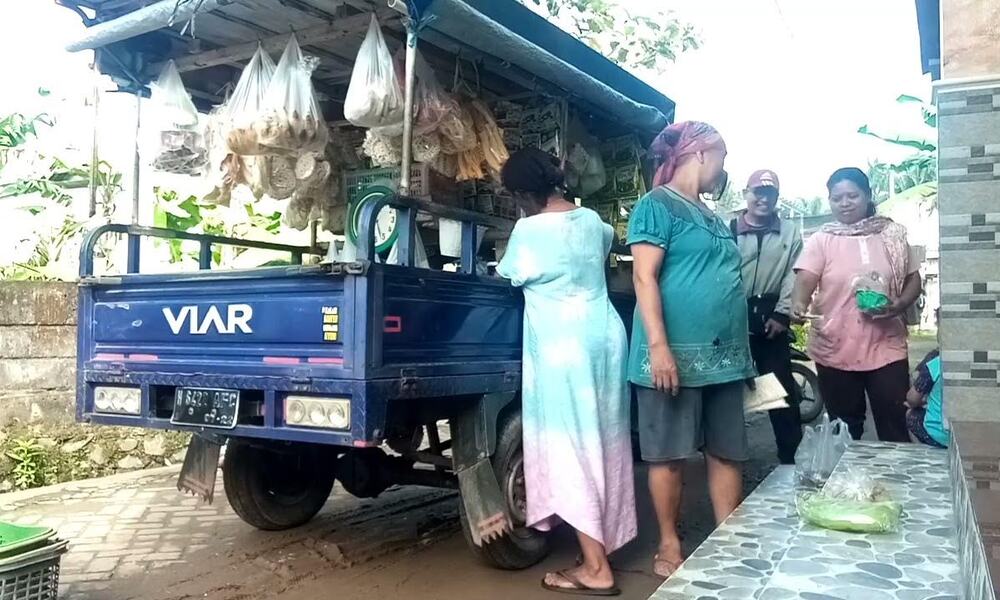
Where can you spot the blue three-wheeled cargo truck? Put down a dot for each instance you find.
(349, 370)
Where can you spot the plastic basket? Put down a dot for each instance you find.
(356, 181)
(33, 575)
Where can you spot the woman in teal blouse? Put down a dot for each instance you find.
(690, 353)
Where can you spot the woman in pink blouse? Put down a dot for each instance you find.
(858, 353)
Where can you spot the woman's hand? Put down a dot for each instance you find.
(663, 369)
(895, 308)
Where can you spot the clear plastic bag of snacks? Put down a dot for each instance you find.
(374, 96)
(291, 119)
(180, 142)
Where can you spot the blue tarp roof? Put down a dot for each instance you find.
(929, 24)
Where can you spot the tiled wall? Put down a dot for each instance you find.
(974, 458)
(969, 205)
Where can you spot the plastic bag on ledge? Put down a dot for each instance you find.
(291, 117)
(851, 501)
(180, 146)
(820, 450)
(374, 97)
(419, 253)
(246, 104)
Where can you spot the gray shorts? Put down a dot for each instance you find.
(708, 419)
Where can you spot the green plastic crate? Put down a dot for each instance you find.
(32, 575)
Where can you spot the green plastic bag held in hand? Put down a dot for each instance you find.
(871, 292)
(871, 301)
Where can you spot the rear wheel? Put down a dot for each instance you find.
(810, 401)
(277, 486)
(522, 547)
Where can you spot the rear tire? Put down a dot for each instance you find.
(523, 547)
(277, 486)
(810, 400)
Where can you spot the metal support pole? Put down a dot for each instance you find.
(407, 158)
(134, 241)
(94, 171)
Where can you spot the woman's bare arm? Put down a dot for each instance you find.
(646, 270)
(646, 265)
(806, 283)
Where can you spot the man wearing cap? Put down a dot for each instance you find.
(769, 247)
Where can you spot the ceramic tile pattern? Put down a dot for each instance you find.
(975, 469)
(764, 551)
(969, 206)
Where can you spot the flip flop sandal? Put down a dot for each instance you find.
(672, 567)
(578, 587)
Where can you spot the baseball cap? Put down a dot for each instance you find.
(762, 178)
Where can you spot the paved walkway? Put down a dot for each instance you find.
(124, 528)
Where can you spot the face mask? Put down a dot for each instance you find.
(720, 187)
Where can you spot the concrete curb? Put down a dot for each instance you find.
(84, 484)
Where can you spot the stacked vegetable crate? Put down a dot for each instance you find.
(29, 562)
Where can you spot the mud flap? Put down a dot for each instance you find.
(201, 465)
(484, 504)
(474, 433)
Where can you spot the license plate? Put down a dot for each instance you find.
(206, 407)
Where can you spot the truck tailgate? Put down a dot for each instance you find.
(264, 318)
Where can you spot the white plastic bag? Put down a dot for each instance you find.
(419, 253)
(374, 97)
(291, 118)
(246, 104)
(820, 450)
(180, 145)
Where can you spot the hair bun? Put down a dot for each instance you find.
(671, 136)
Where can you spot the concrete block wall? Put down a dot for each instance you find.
(37, 351)
(969, 204)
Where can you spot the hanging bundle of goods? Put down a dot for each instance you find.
(180, 145)
(291, 119)
(459, 139)
(275, 139)
(236, 156)
(374, 96)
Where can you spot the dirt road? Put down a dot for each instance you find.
(141, 539)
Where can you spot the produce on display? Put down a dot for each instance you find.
(851, 501)
(180, 143)
(491, 142)
(374, 96)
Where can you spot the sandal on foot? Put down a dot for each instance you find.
(671, 566)
(578, 587)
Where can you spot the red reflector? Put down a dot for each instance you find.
(106, 356)
(364, 444)
(392, 325)
(319, 360)
(282, 360)
(143, 357)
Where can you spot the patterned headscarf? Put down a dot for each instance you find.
(679, 140)
(893, 236)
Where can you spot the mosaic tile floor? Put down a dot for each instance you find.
(764, 551)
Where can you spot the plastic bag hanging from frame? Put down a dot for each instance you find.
(180, 146)
(374, 96)
(291, 118)
(246, 104)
